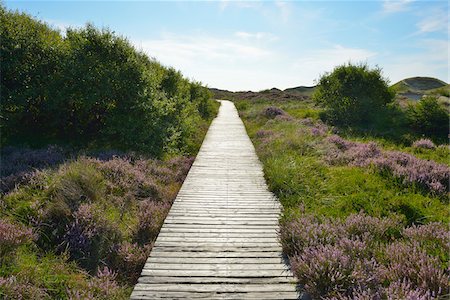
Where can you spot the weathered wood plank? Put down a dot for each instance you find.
(213, 266)
(215, 260)
(216, 273)
(176, 279)
(218, 254)
(215, 287)
(212, 295)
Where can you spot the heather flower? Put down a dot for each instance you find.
(130, 259)
(340, 143)
(306, 122)
(18, 164)
(365, 257)
(424, 144)
(408, 168)
(283, 117)
(306, 231)
(323, 270)
(90, 238)
(403, 289)
(151, 216)
(123, 175)
(12, 236)
(319, 129)
(409, 261)
(360, 225)
(433, 236)
(273, 111)
(13, 288)
(264, 133)
(102, 286)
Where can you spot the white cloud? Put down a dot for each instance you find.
(393, 6)
(219, 62)
(284, 10)
(258, 36)
(432, 60)
(324, 60)
(224, 4)
(436, 20)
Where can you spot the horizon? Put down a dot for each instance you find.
(259, 45)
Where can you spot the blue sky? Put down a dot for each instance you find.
(253, 45)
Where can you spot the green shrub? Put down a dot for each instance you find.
(429, 117)
(353, 94)
(92, 88)
(31, 55)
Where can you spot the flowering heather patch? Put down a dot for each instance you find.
(151, 216)
(12, 236)
(319, 129)
(363, 257)
(273, 111)
(408, 260)
(130, 259)
(17, 164)
(410, 169)
(424, 144)
(12, 288)
(435, 235)
(102, 286)
(90, 238)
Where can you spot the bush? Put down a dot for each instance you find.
(341, 259)
(423, 144)
(92, 88)
(12, 236)
(353, 94)
(429, 117)
(91, 237)
(31, 55)
(273, 111)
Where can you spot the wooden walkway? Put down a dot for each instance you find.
(219, 240)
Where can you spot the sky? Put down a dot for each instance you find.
(255, 45)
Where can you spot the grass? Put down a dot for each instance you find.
(313, 191)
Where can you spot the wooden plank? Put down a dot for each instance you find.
(216, 273)
(215, 287)
(216, 260)
(216, 229)
(213, 266)
(211, 295)
(157, 252)
(227, 240)
(239, 280)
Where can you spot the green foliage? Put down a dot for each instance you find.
(353, 94)
(31, 53)
(92, 88)
(429, 117)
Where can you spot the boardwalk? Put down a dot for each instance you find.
(219, 240)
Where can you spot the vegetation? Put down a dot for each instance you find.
(92, 88)
(429, 117)
(96, 141)
(361, 217)
(353, 94)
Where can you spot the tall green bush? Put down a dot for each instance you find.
(353, 94)
(429, 117)
(91, 88)
(31, 55)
